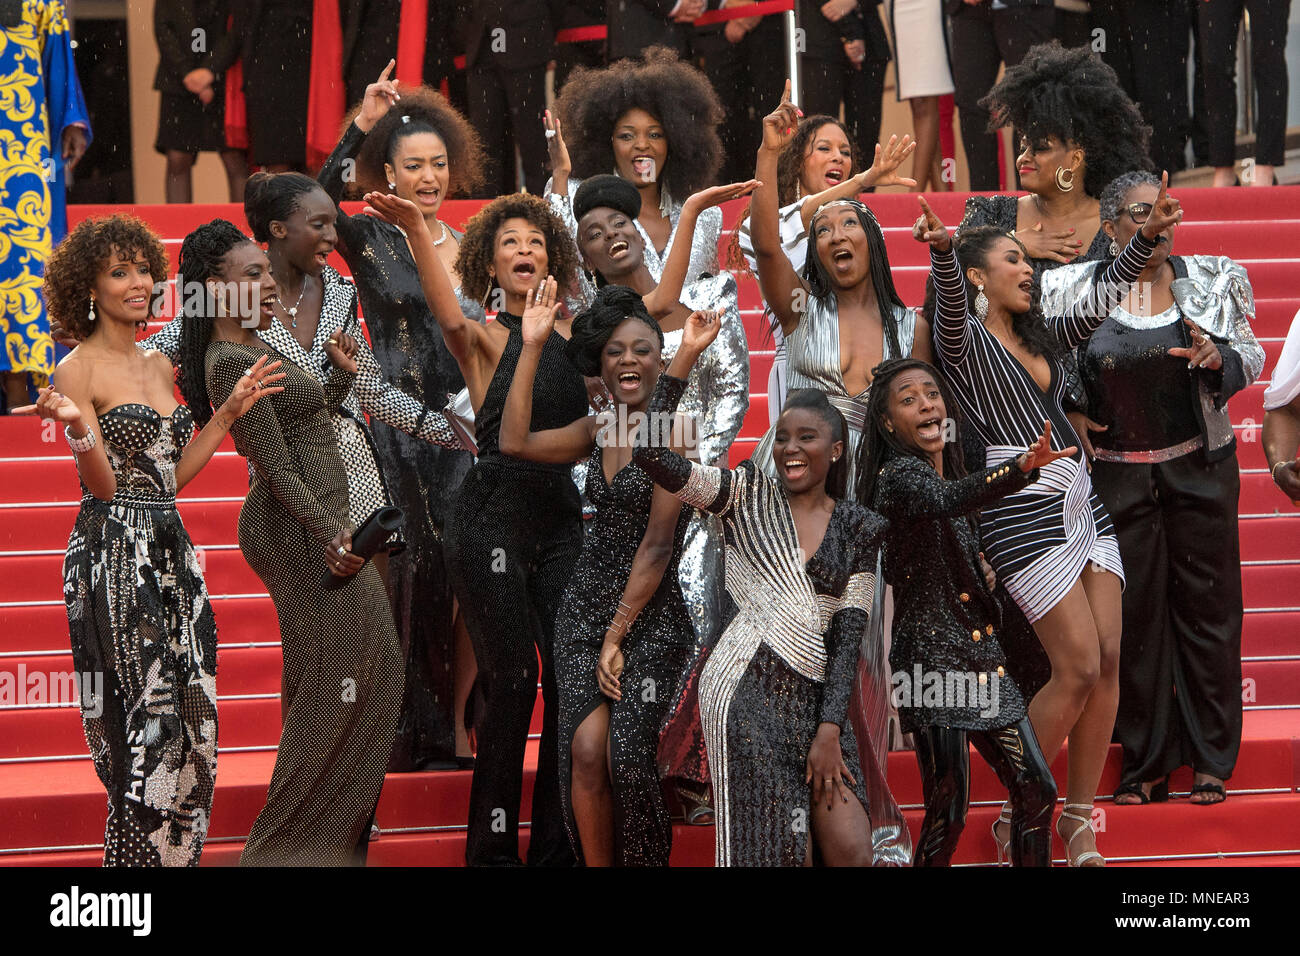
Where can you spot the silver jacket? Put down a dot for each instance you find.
(1216, 295)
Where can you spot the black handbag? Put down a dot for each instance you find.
(368, 539)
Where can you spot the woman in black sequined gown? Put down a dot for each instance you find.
(774, 691)
(623, 622)
(341, 685)
(516, 527)
(421, 149)
(138, 610)
(950, 681)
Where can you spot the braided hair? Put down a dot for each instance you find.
(203, 256)
(272, 197)
(879, 445)
(815, 400)
(819, 279)
(613, 305)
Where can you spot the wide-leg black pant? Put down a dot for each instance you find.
(513, 540)
(828, 83)
(1180, 658)
(1219, 20)
(1014, 754)
(981, 40)
(506, 108)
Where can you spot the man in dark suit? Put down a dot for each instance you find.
(637, 24)
(986, 34)
(508, 44)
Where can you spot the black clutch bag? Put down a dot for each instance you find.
(368, 539)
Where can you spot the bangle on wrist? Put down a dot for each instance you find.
(1272, 472)
(80, 445)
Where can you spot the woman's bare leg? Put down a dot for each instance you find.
(463, 682)
(592, 793)
(925, 127)
(843, 833)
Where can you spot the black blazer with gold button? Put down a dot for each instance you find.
(946, 621)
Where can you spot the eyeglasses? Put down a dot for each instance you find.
(1138, 211)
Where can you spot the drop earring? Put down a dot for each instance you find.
(91, 316)
(981, 303)
(1114, 248)
(492, 279)
(392, 187)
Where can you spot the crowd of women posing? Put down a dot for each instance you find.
(719, 633)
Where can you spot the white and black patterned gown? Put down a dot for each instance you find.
(1039, 539)
(138, 614)
(787, 658)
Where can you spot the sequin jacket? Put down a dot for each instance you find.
(812, 615)
(1215, 293)
(945, 619)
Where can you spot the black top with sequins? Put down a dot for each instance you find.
(944, 638)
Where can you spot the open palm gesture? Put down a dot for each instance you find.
(1040, 453)
(541, 306)
(252, 385)
(884, 167)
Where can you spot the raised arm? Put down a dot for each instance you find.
(911, 490)
(340, 167)
(462, 335)
(951, 332)
(882, 172)
(556, 445)
(781, 286)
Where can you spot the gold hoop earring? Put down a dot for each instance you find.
(1061, 182)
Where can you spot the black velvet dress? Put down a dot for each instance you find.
(513, 539)
(422, 478)
(787, 656)
(655, 652)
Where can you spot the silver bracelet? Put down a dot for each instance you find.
(80, 445)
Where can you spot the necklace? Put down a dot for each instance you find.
(443, 238)
(293, 312)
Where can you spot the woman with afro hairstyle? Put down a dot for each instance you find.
(295, 531)
(515, 529)
(1078, 130)
(654, 122)
(138, 610)
(417, 146)
(841, 317)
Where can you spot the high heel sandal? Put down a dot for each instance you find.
(1085, 823)
(1159, 792)
(1003, 846)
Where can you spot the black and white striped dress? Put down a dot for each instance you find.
(1039, 539)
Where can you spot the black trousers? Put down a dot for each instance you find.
(1014, 754)
(748, 77)
(981, 39)
(1180, 659)
(827, 83)
(1149, 55)
(506, 108)
(1268, 25)
(513, 540)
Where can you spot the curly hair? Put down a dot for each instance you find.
(75, 263)
(972, 247)
(202, 253)
(1072, 95)
(678, 95)
(421, 110)
(478, 247)
(272, 197)
(1113, 195)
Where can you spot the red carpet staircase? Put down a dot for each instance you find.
(52, 804)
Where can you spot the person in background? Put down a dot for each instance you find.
(275, 52)
(35, 54)
(921, 62)
(1282, 417)
(844, 61)
(636, 25)
(588, 53)
(508, 44)
(1158, 374)
(1269, 20)
(195, 49)
(985, 35)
